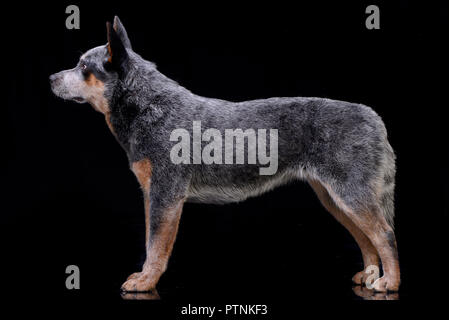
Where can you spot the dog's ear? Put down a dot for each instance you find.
(121, 32)
(118, 57)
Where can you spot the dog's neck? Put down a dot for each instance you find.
(100, 104)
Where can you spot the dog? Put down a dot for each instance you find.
(340, 148)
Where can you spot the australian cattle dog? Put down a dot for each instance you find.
(181, 148)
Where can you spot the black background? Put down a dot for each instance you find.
(69, 197)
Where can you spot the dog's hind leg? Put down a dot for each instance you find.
(369, 253)
(371, 218)
(381, 234)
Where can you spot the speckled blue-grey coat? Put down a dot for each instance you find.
(339, 148)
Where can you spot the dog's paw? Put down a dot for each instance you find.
(138, 282)
(385, 284)
(360, 278)
(134, 275)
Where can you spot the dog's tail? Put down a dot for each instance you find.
(388, 184)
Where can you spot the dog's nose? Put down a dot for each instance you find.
(54, 80)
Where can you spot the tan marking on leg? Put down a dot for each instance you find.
(164, 239)
(335, 198)
(384, 240)
(142, 169)
(158, 253)
(379, 232)
(369, 253)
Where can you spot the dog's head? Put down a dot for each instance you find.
(97, 70)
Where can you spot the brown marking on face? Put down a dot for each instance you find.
(93, 81)
(94, 93)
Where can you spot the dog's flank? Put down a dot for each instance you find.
(234, 139)
(340, 148)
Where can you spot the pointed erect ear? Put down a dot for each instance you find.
(121, 32)
(117, 52)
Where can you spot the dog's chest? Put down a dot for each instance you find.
(121, 122)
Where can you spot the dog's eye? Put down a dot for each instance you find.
(83, 67)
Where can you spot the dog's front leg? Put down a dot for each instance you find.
(163, 227)
(143, 171)
(161, 220)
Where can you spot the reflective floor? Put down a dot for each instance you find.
(359, 291)
(223, 254)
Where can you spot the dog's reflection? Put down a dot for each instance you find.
(369, 294)
(150, 295)
(361, 291)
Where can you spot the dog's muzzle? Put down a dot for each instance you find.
(54, 80)
(59, 90)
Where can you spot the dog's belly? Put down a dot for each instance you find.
(220, 195)
(214, 193)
